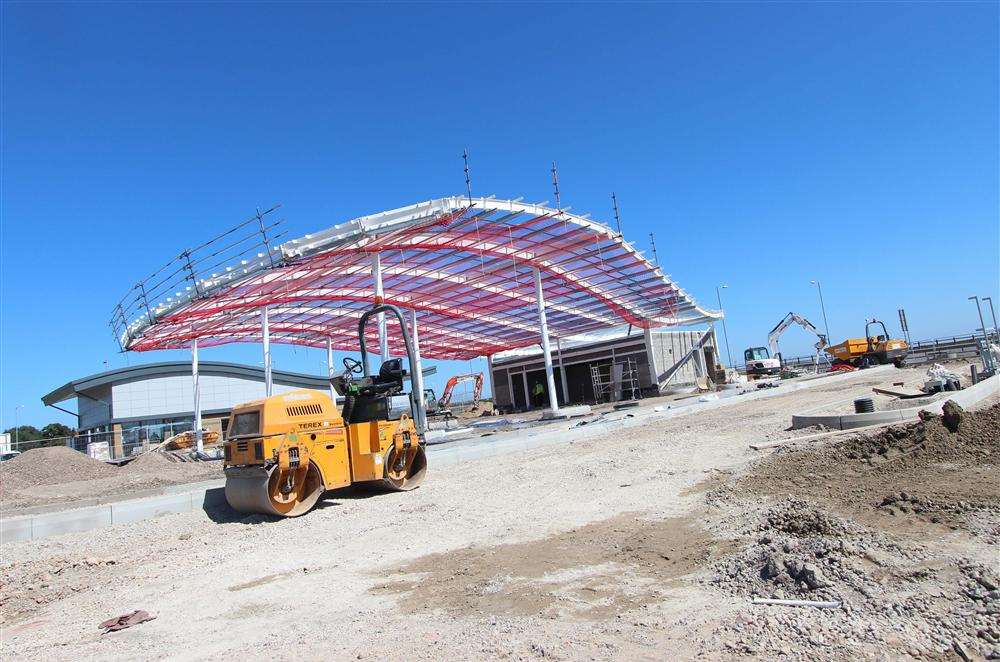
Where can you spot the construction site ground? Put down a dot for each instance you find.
(639, 538)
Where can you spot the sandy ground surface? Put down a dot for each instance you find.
(643, 542)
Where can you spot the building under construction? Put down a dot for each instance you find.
(477, 276)
(625, 363)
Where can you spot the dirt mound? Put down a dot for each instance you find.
(49, 466)
(915, 472)
(957, 435)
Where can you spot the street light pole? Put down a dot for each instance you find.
(725, 332)
(822, 306)
(993, 313)
(982, 322)
(17, 424)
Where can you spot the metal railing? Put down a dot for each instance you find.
(921, 351)
(106, 445)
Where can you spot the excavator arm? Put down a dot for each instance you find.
(477, 389)
(782, 326)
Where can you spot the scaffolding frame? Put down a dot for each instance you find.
(611, 387)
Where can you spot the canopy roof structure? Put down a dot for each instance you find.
(467, 267)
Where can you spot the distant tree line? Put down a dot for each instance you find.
(52, 434)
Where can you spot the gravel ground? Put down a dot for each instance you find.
(609, 547)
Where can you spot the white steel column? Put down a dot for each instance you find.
(510, 387)
(562, 372)
(651, 354)
(198, 438)
(527, 392)
(544, 329)
(265, 333)
(383, 339)
(417, 380)
(489, 370)
(329, 368)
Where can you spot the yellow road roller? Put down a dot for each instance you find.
(283, 452)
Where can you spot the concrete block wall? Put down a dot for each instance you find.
(669, 347)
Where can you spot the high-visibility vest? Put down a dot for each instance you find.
(539, 389)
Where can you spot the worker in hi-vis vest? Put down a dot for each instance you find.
(538, 394)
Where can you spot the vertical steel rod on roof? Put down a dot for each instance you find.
(652, 243)
(555, 185)
(198, 438)
(190, 269)
(329, 368)
(263, 233)
(145, 302)
(265, 333)
(383, 339)
(417, 378)
(618, 219)
(468, 182)
(543, 328)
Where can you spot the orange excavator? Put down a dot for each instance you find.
(449, 388)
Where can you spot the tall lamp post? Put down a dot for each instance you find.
(822, 306)
(17, 425)
(725, 333)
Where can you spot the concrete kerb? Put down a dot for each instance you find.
(964, 398)
(208, 494)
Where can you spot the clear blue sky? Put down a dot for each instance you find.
(764, 144)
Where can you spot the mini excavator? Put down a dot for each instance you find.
(283, 452)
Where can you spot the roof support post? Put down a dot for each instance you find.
(510, 388)
(198, 437)
(265, 333)
(383, 339)
(543, 327)
(527, 391)
(417, 379)
(489, 371)
(651, 353)
(562, 372)
(329, 368)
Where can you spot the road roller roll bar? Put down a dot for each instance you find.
(416, 400)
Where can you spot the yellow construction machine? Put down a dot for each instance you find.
(871, 350)
(283, 452)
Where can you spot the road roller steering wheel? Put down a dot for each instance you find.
(353, 366)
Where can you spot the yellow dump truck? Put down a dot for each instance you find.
(878, 349)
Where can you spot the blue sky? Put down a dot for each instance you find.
(764, 144)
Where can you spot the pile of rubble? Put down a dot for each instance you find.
(887, 591)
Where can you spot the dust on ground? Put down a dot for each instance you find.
(592, 572)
